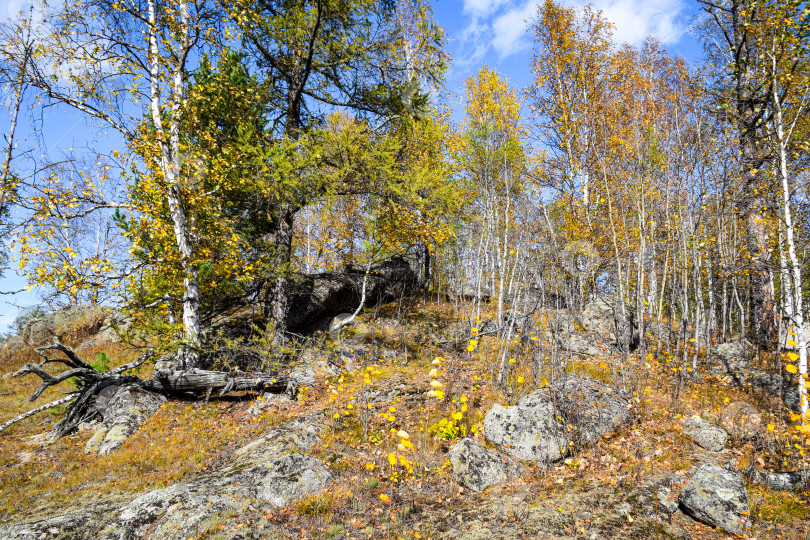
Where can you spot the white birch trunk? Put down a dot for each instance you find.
(170, 164)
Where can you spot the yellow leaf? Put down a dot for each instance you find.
(520, 380)
(457, 416)
(402, 434)
(790, 368)
(370, 466)
(385, 498)
(792, 356)
(436, 385)
(791, 343)
(771, 427)
(439, 394)
(392, 459)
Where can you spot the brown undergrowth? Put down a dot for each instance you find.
(383, 489)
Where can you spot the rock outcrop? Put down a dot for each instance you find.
(476, 467)
(731, 357)
(590, 407)
(717, 497)
(705, 434)
(573, 410)
(532, 430)
(273, 469)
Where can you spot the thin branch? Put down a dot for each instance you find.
(41, 408)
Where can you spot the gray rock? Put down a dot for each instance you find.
(289, 478)
(587, 343)
(731, 357)
(73, 320)
(591, 407)
(606, 319)
(705, 434)
(82, 523)
(277, 442)
(476, 467)
(597, 317)
(741, 420)
(532, 430)
(11, 346)
(718, 498)
(574, 409)
(339, 320)
(266, 470)
(774, 384)
(123, 411)
(561, 326)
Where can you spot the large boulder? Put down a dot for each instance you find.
(609, 320)
(705, 434)
(591, 407)
(732, 357)
(315, 300)
(541, 427)
(476, 467)
(741, 420)
(123, 409)
(717, 497)
(587, 344)
(773, 383)
(532, 430)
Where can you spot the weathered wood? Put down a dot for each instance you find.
(91, 382)
(199, 380)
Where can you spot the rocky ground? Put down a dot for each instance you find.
(397, 431)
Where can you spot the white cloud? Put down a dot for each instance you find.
(11, 8)
(510, 30)
(500, 25)
(482, 8)
(637, 19)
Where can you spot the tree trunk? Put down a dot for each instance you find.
(280, 289)
(762, 330)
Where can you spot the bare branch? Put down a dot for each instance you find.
(41, 408)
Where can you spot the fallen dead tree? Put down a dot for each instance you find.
(90, 383)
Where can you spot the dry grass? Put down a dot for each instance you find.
(420, 499)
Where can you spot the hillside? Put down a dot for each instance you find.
(394, 433)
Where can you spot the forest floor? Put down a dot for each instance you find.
(379, 391)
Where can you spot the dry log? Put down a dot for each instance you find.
(200, 380)
(90, 382)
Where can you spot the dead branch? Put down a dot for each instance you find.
(90, 382)
(39, 409)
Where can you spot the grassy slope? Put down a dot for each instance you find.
(572, 499)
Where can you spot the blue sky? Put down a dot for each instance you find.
(478, 32)
(494, 31)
